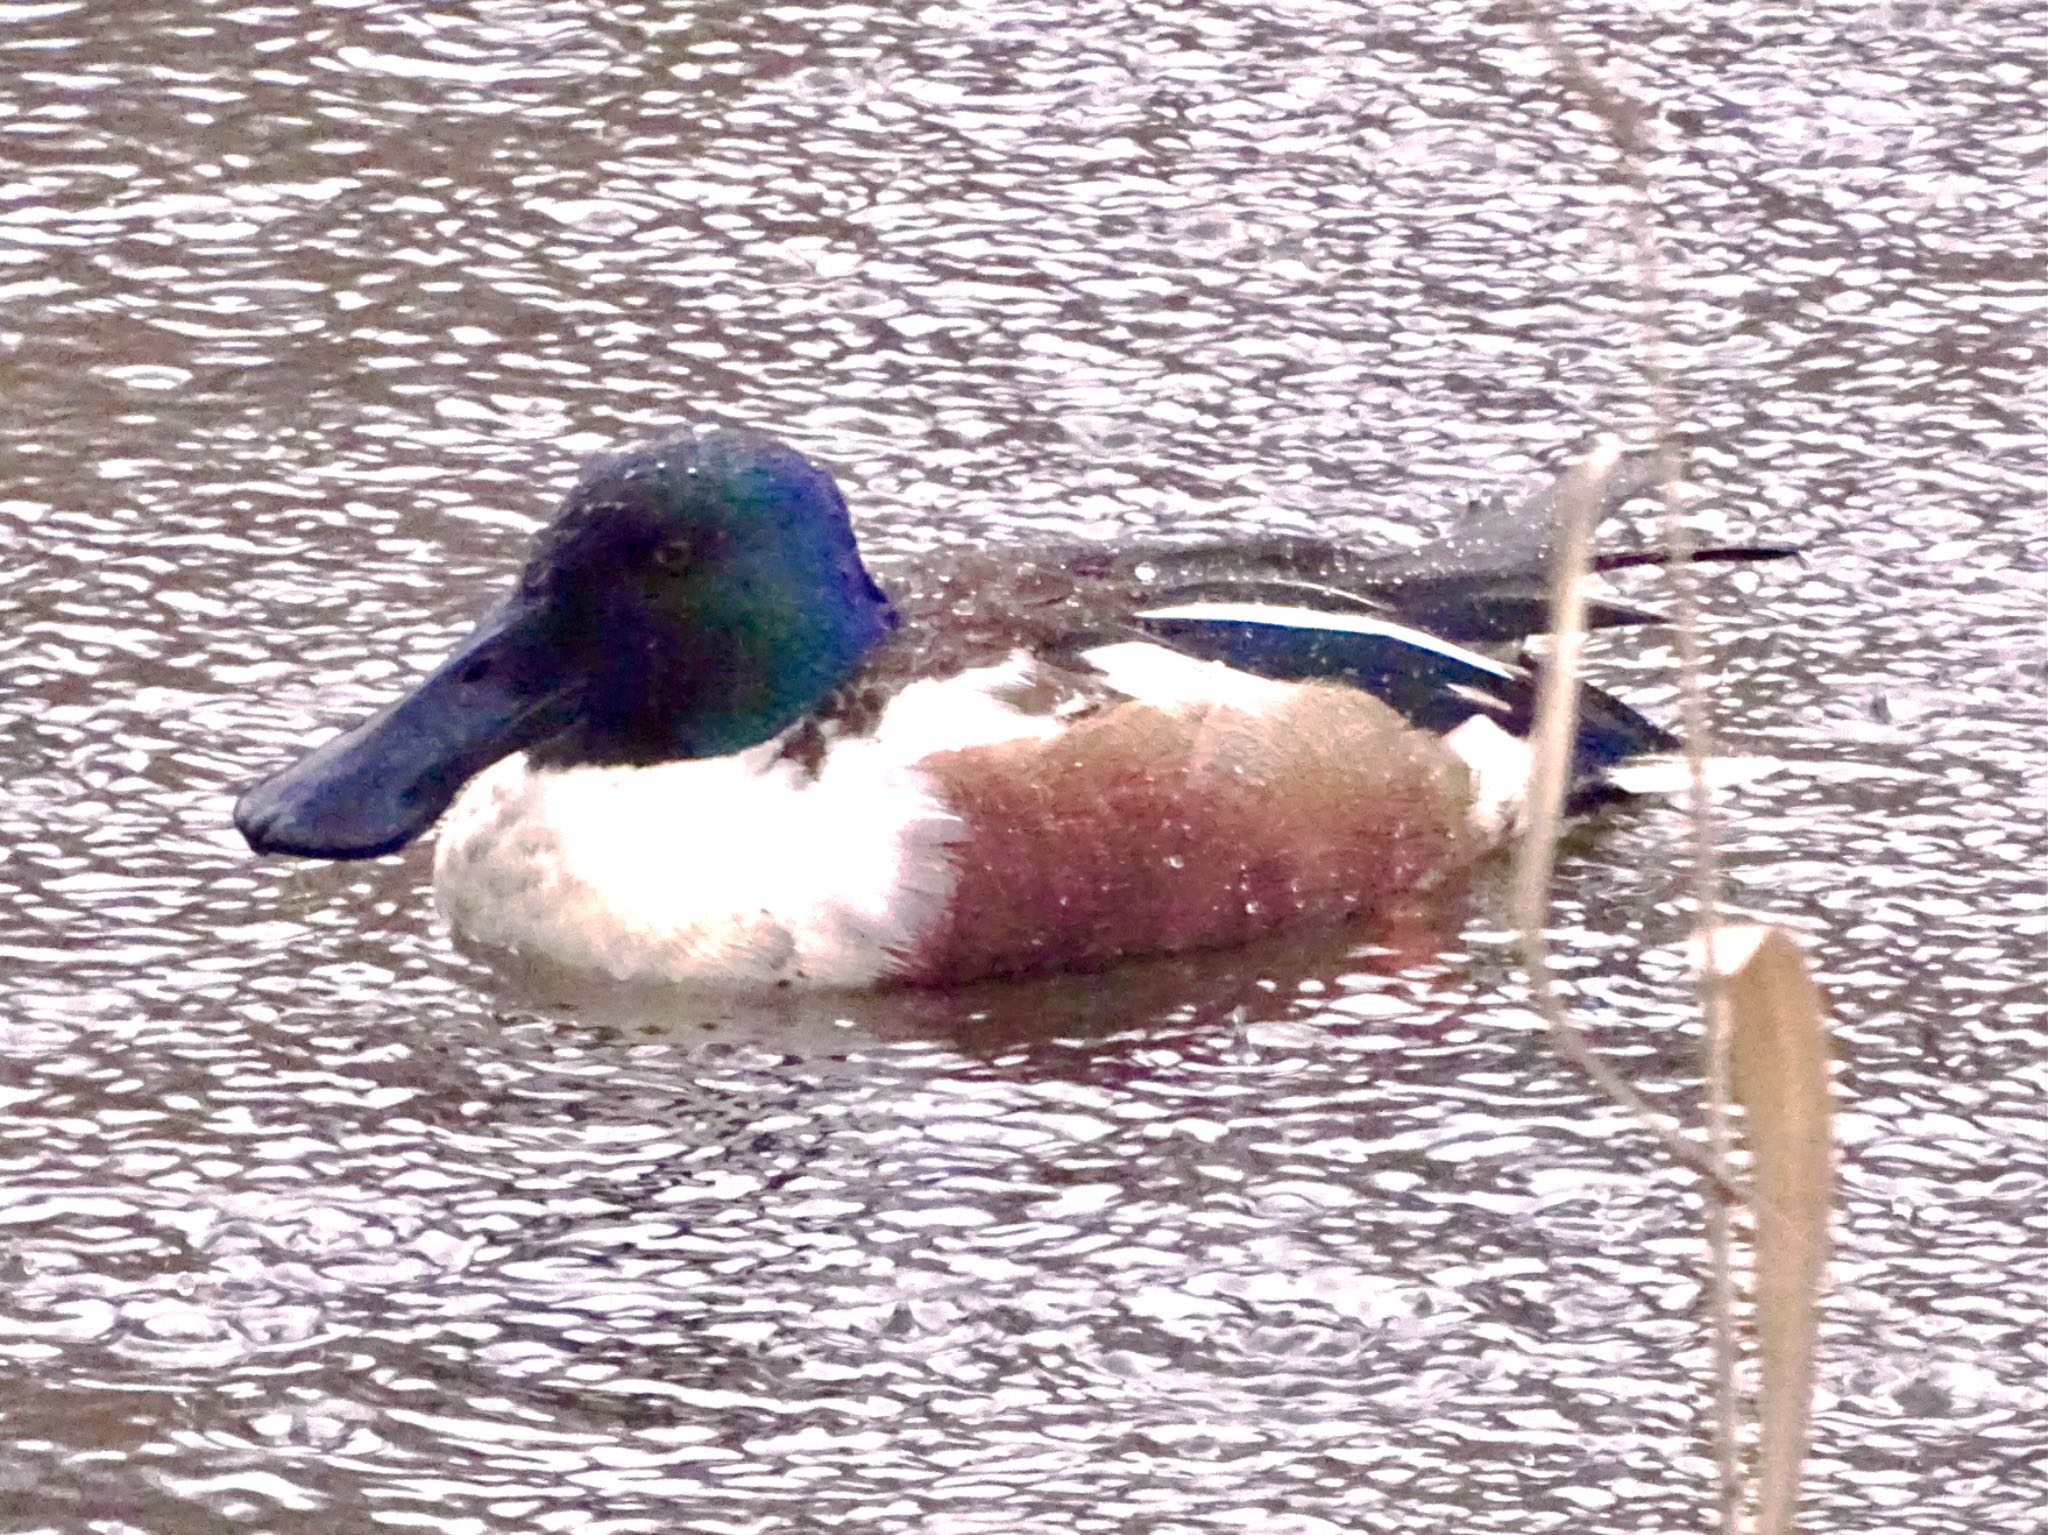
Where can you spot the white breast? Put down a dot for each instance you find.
(738, 871)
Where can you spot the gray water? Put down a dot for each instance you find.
(309, 312)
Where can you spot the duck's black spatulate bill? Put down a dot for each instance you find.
(375, 788)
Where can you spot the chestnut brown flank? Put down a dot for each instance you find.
(1146, 832)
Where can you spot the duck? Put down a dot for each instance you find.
(698, 743)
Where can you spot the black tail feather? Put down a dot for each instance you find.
(1717, 554)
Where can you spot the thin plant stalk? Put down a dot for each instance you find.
(1581, 494)
(1624, 119)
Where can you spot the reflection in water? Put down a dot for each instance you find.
(313, 1225)
(1176, 993)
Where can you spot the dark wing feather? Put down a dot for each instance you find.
(1484, 583)
(1434, 685)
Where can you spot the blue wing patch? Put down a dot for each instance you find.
(1434, 683)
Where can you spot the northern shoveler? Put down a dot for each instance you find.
(698, 743)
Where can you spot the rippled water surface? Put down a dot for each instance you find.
(308, 313)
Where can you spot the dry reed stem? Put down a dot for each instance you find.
(1624, 118)
(1778, 1058)
(1580, 495)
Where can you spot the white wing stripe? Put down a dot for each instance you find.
(1335, 623)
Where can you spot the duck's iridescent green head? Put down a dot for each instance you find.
(697, 594)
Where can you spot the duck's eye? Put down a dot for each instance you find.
(672, 557)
